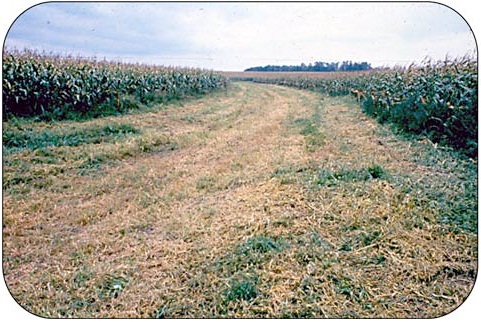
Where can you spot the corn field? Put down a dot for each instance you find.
(438, 99)
(55, 87)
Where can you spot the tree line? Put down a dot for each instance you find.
(316, 67)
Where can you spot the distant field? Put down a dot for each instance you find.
(277, 75)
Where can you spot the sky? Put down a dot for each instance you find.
(236, 36)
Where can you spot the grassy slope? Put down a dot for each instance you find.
(260, 202)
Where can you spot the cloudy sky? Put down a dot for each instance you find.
(235, 36)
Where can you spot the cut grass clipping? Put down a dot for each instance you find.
(217, 209)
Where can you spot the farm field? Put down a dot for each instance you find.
(249, 75)
(438, 99)
(259, 201)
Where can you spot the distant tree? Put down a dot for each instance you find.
(316, 67)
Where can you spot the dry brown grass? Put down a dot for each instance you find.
(273, 202)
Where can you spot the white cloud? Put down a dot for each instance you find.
(241, 35)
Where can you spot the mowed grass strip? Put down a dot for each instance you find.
(37, 158)
(243, 219)
(17, 138)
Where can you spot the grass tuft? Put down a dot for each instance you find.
(327, 177)
(259, 244)
(241, 288)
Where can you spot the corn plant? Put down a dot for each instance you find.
(58, 87)
(436, 99)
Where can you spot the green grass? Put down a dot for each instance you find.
(259, 244)
(253, 252)
(330, 178)
(311, 129)
(36, 155)
(21, 137)
(241, 288)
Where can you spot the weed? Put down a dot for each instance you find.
(346, 247)
(253, 252)
(241, 288)
(259, 244)
(379, 259)
(376, 172)
(152, 142)
(79, 304)
(327, 177)
(460, 217)
(192, 138)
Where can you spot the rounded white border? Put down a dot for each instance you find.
(468, 9)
